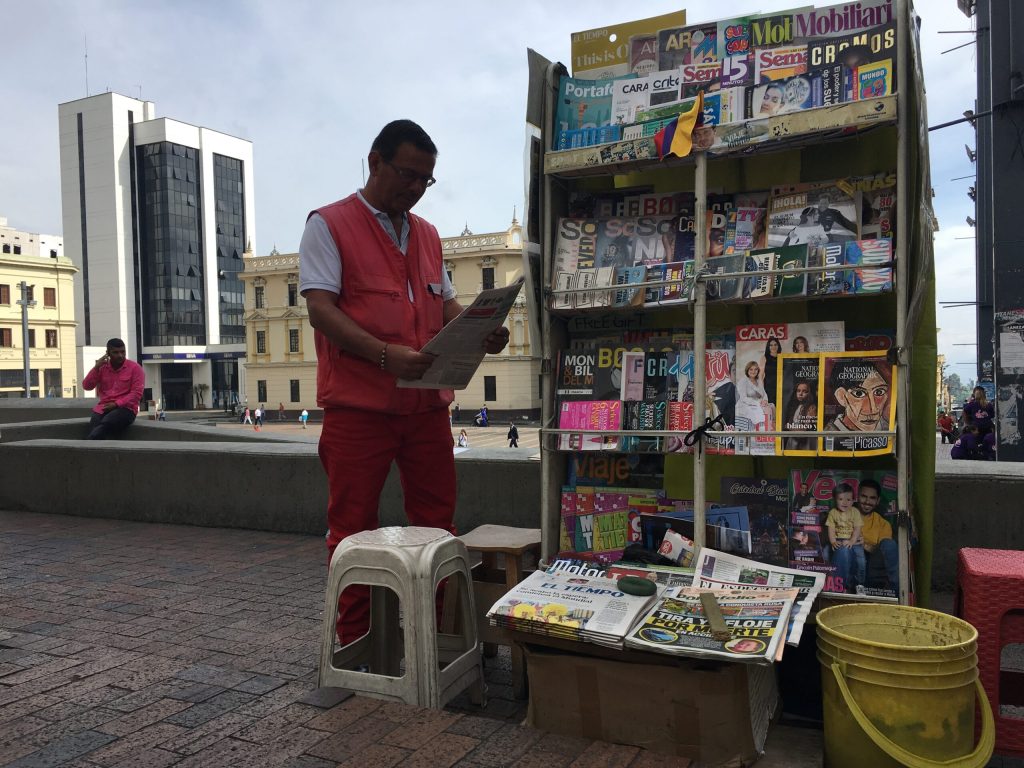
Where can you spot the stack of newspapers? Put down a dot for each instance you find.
(587, 609)
(756, 619)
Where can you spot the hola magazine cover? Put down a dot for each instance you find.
(814, 214)
(757, 368)
(857, 393)
(676, 625)
(796, 410)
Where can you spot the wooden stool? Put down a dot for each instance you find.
(490, 583)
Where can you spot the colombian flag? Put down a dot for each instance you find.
(675, 138)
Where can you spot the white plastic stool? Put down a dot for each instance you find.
(407, 563)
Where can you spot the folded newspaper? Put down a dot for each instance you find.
(458, 348)
(663, 576)
(719, 570)
(570, 606)
(677, 625)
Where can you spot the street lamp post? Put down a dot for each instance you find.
(25, 302)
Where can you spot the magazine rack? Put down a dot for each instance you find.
(860, 137)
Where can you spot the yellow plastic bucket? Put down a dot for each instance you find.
(899, 686)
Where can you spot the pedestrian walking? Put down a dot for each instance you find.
(257, 418)
(304, 417)
(280, 411)
(246, 416)
(513, 436)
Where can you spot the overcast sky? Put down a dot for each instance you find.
(310, 84)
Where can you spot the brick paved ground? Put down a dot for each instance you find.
(133, 644)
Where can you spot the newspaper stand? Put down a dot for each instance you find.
(851, 138)
(848, 139)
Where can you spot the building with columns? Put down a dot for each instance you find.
(37, 261)
(280, 362)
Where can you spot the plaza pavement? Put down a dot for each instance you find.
(139, 644)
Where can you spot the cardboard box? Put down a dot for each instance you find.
(715, 713)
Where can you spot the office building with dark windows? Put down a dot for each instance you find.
(157, 215)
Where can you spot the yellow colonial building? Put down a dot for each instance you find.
(281, 357)
(38, 262)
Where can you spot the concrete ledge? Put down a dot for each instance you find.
(270, 486)
(140, 430)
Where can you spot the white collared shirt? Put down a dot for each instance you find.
(320, 260)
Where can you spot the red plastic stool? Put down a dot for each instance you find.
(990, 595)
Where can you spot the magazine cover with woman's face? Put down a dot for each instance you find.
(796, 406)
(858, 394)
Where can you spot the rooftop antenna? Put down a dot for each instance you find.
(86, 65)
(140, 91)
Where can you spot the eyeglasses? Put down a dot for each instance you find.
(410, 176)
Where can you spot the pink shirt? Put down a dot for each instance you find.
(123, 386)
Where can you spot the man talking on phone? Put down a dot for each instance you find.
(118, 382)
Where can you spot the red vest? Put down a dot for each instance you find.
(376, 276)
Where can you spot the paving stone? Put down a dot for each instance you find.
(195, 693)
(601, 755)
(213, 675)
(474, 727)
(376, 756)
(647, 759)
(345, 714)
(64, 750)
(194, 740)
(305, 761)
(259, 684)
(418, 727)
(197, 714)
(505, 746)
(326, 697)
(136, 744)
(542, 758)
(441, 750)
(152, 757)
(140, 718)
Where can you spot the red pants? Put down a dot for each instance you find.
(356, 450)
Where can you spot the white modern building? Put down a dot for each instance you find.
(157, 214)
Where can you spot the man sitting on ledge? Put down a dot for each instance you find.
(118, 382)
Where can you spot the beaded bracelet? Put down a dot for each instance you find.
(383, 356)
